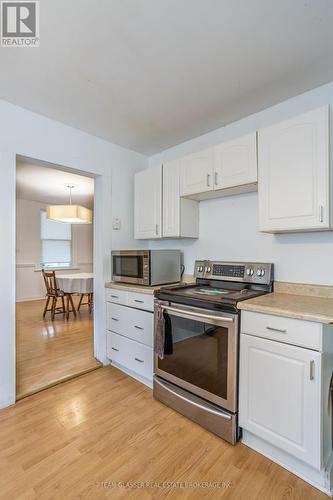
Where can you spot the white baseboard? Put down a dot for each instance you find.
(28, 299)
(5, 404)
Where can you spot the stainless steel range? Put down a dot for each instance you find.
(199, 375)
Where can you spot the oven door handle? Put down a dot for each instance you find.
(194, 403)
(196, 314)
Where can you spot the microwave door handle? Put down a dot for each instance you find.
(197, 315)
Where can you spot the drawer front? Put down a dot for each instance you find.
(116, 318)
(141, 300)
(140, 326)
(116, 348)
(141, 359)
(130, 354)
(288, 330)
(116, 296)
(130, 322)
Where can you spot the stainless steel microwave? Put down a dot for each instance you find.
(146, 267)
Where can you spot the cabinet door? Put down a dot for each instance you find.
(280, 396)
(196, 173)
(148, 204)
(235, 162)
(180, 215)
(293, 173)
(171, 199)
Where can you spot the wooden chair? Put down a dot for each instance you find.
(54, 293)
(88, 303)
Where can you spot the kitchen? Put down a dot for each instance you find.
(272, 386)
(211, 154)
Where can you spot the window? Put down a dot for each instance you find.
(56, 242)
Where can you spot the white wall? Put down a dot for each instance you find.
(229, 226)
(34, 136)
(29, 283)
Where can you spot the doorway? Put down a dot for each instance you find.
(54, 279)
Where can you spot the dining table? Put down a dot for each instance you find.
(76, 283)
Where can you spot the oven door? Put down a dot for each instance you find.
(131, 266)
(204, 357)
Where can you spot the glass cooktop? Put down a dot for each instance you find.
(210, 293)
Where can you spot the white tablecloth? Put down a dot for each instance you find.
(76, 283)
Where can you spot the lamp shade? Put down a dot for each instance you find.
(69, 214)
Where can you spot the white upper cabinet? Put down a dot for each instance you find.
(235, 162)
(180, 215)
(229, 168)
(159, 211)
(171, 205)
(294, 174)
(197, 173)
(148, 204)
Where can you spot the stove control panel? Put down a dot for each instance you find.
(248, 272)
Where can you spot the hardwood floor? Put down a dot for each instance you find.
(83, 438)
(51, 351)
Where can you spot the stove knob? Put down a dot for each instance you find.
(249, 271)
(208, 269)
(259, 272)
(200, 269)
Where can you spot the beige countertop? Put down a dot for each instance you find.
(145, 289)
(132, 288)
(307, 302)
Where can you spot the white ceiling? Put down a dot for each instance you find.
(48, 185)
(149, 74)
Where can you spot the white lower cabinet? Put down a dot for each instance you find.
(280, 396)
(285, 395)
(130, 335)
(133, 356)
(132, 323)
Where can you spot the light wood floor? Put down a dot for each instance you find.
(105, 427)
(49, 351)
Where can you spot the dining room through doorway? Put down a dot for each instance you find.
(54, 277)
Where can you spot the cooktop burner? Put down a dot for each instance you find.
(211, 291)
(221, 285)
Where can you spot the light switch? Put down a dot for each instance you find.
(116, 224)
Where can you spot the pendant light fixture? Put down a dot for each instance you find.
(69, 214)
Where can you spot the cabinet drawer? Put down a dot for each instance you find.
(129, 322)
(116, 318)
(140, 359)
(288, 330)
(130, 354)
(140, 326)
(141, 300)
(116, 348)
(116, 296)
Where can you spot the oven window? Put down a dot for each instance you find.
(200, 354)
(131, 266)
